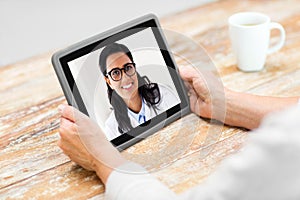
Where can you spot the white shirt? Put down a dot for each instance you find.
(267, 168)
(141, 116)
(168, 100)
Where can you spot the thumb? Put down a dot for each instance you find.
(71, 113)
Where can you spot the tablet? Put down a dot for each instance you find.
(125, 79)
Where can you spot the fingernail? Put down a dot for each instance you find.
(61, 108)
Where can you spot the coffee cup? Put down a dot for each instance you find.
(250, 36)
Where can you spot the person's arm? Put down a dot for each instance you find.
(248, 110)
(209, 99)
(85, 143)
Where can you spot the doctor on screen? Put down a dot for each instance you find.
(133, 99)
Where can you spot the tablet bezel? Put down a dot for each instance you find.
(60, 62)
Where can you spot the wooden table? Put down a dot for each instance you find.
(31, 164)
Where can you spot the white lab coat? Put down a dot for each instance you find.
(168, 100)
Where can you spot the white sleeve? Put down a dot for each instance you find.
(131, 181)
(266, 168)
(109, 134)
(169, 98)
(111, 128)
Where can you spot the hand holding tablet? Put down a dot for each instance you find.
(124, 79)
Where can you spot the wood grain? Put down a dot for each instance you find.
(181, 155)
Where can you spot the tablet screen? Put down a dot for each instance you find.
(126, 82)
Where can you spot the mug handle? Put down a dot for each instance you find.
(274, 25)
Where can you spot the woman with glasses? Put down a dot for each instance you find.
(134, 100)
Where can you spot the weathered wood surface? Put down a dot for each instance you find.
(31, 164)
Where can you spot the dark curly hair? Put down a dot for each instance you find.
(149, 91)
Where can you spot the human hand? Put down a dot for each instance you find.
(206, 93)
(83, 141)
(208, 98)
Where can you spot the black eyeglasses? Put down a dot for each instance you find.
(116, 73)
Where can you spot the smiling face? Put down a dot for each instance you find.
(127, 87)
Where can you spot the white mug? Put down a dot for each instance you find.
(250, 35)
